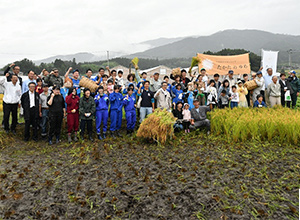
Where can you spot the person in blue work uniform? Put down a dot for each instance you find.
(130, 111)
(75, 79)
(116, 105)
(102, 103)
(178, 93)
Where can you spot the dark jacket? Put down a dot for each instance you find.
(177, 113)
(295, 84)
(287, 84)
(87, 105)
(25, 102)
(201, 115)
(52, 80)
(10, 75)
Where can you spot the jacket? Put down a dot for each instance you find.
(129, 102)
(52, 80)
(295, 84)
(101, 102)
(72, 103)
(116, 101)
(201, 115)
(25, 102)
(163, 98)
(86, 105)
(274, 89)
(282, 86)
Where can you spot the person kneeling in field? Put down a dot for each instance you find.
(199, 118)
(129, 106)
(259, 103)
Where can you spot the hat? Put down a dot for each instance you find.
(185, 104)
(195, 100)
(259, 72)
(230, 71)
(293, 71)
(56, 88)
(239, 82)
(155, 73)
(76, 70)
(202, 69)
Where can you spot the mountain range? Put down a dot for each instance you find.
(185, 47)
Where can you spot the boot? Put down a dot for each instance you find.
(50, 140)
(90, 137)
(69, 138)
(112, 133)
(104, 135)
(99, 137)
(75, 137)
(57, 139)
(118, 133)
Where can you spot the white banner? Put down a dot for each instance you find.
(269, 60)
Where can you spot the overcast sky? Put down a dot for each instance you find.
(38, 29)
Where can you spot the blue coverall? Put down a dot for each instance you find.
(116, 105)
(101, 112)
(130, 112)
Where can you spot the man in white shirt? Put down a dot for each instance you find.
(11, 99)
(268, 80)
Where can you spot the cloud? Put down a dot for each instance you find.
(40, 29)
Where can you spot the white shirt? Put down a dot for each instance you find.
(235, 97)
(31, 98)
(12, 93)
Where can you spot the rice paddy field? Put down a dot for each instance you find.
(248, 168)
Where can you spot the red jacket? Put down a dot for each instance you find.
(72, 103)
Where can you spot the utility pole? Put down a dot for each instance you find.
(290, 59)
(107, 55)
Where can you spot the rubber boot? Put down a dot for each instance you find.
(90, 136)
(118, 133)
(69, 138)
(50, 140)
(75, 137)
(112, 133)
(57, 139)
(104, 135)
(99, 137)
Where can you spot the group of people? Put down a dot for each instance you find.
(47, 98)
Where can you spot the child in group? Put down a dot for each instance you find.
(190, 95)
(39, 86)
(211, 90)
(178, 93)
(186, 117)
(102, 103)
(242, 91)
(259, 103)
(169, 89)
(72, 101)
(234, 98)
(103, 83)
(116, 105)
(223, 99)
(130, 111)
(110, 86)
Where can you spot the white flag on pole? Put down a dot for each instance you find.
(269, 60)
